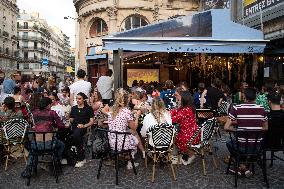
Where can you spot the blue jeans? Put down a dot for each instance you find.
(59, 145)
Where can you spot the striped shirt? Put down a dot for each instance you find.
(248, 116)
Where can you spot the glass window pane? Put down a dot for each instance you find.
(128, 23)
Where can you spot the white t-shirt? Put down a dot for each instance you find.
(149, 121)
(80, 86)
(104, 85)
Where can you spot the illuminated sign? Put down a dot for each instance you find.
(147, 75)
(254, 6)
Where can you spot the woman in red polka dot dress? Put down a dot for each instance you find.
(184, 116)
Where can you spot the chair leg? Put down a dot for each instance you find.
(55, 171)
(154, 166)
(203, 161)
(229, 164)
(116, 169)
(213, 157)
(133, 165)
(100, 168)
(236, 171)
(23, 152)
(171, 165)
(7, 158)
(178, 161)
(146, 163)
(271, 158)
(264, 170)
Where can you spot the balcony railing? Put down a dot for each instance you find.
(32, 38)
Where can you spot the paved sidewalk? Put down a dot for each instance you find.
(189, 176)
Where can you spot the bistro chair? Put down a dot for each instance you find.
(205, 145)
(223, 109)
(159, 146)
(43, 144)
(107, 153)
(14, 132)
(204, 114)
(274, 140)
(247, 147)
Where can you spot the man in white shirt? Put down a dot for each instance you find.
(79, 86)
(104, 85)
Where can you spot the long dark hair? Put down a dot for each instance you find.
(187, 100)
(84, 97)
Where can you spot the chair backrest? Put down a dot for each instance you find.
(248, 141)
(15, 128)
(161, 136)
(116, 136)
(43, 142)
(223, 109)
(207, 129)
(274, 139)
(204, 114)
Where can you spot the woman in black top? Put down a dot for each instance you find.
(81, 117)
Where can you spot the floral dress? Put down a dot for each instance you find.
(187, 124)
(261, 99)
(120, 124)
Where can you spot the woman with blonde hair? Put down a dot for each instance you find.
(120, 118)
(157, 115)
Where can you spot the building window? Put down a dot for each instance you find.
(26, 66)
(26, 25)
(98, 28)
(36, 66)
(133, 21)
(25, 44)
(26, 55)
(35, 45)
(7, 50)
(18, 24)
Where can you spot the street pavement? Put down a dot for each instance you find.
(189, 176)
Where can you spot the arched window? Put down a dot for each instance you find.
(133, 21)
(98, 28)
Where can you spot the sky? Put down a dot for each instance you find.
(54, 12)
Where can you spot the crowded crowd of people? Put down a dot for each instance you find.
(79, 106)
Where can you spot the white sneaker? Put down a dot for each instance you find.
(190, 160)
(80, 163)
(184, 162)
(63, 162)
(129, 165)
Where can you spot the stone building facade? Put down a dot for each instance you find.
(98, 18)
(38, 41)
(8, 36)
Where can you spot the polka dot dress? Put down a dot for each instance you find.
(120, 124)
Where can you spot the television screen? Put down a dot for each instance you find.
(147, 75)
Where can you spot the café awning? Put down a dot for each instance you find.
(205, 32)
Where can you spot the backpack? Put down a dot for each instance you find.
(101, 145)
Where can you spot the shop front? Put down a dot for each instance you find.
(193, 48)
(97, 64)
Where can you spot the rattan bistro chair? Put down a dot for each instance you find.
(14, 132)
(159, 146)
(205, 145)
